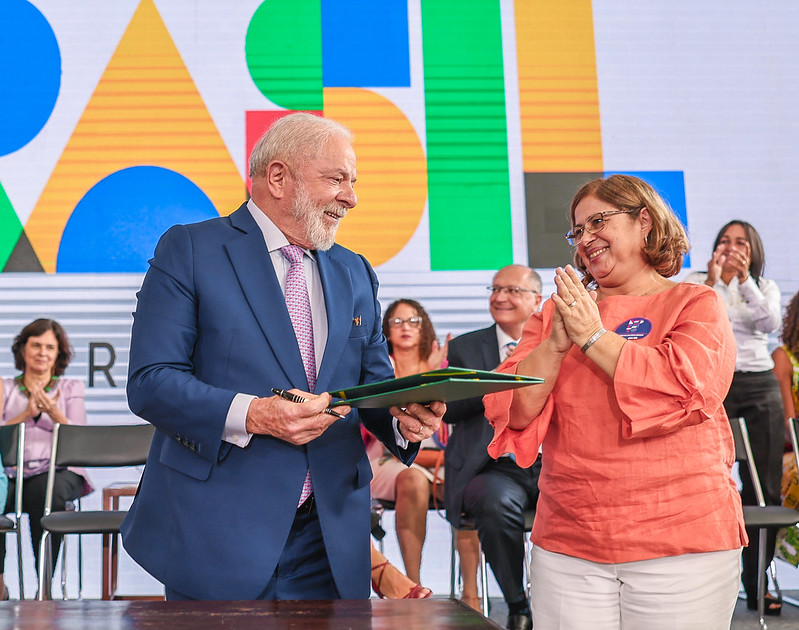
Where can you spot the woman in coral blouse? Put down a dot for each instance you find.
(639, 523)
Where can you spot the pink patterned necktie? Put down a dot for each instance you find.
(299, 307)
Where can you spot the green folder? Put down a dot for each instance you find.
(447, 384)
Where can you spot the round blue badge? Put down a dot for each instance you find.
(635, 328)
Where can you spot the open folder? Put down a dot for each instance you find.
(447, 384)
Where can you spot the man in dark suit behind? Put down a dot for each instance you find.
(495, 493)
(247, 495)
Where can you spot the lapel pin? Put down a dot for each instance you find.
(356, 320)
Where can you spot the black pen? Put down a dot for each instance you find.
(299, 399)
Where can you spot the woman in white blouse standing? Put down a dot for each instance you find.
(753, 305)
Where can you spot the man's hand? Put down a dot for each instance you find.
(417, 422)
(295, 423)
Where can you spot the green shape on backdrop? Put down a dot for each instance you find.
(10, 228)
(283, 49)
(467, 138)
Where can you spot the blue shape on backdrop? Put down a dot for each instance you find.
(30, 73)
(117, 224)
(365, 44)
(671, 186)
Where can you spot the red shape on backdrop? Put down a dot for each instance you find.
(256, 123)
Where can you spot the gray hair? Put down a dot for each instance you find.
(295, 137)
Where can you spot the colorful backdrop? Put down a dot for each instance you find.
(147, 115)
(475, 122)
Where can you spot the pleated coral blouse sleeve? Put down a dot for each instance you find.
(523, 444)
(683, 378)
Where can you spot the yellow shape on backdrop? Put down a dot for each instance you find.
(558, 90)
(146, 110)
(392, 173)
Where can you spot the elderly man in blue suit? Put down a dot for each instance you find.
(247, 495)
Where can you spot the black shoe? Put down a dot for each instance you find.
(772, 605)
(519, 622)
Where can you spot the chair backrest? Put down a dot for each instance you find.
(743, 454)
(101, 446)
(12, 443)
(12, 451)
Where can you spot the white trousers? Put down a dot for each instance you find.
(694, 591)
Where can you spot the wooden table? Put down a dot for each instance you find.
(111, 496)
(353, 614)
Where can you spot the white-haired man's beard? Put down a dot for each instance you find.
(320, 236)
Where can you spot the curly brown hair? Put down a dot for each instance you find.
(428, 333)
(666, 242)
(35, 329)
(790, 326)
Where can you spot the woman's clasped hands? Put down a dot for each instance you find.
(576, 317)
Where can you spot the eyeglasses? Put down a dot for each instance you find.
(413, 322)
(593, 225)
(514, 291)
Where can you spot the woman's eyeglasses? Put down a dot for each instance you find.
(413, 322)
(593, 225)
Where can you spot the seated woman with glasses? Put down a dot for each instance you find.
(413, 348)
(40, 398)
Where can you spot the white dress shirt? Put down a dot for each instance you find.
(503, 339)
(754, 312)
(236, 421)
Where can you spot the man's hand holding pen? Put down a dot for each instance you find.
(293, 422)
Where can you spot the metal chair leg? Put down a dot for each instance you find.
(484, 580)
(19, 564)
(45, 568)
(80, 566)
(64, 595)
(454, 533)
(761, 577)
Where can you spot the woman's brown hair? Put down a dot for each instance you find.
(666, 243)
(790, 326)
(428, 333)
(35, 329)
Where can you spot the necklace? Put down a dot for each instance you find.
(20, 380)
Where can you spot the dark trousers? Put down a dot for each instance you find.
(67, 487)
(303, 571)
(496, 500)
(755, 396)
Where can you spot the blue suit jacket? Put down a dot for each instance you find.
(211, 519)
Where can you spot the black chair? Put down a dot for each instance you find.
(111, 446)
(468, 524)
(12, 451)
(760, 516)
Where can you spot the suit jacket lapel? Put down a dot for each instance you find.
(337, 287)
(489, 351)
(256, 275)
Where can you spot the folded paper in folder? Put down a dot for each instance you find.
(447, 384)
